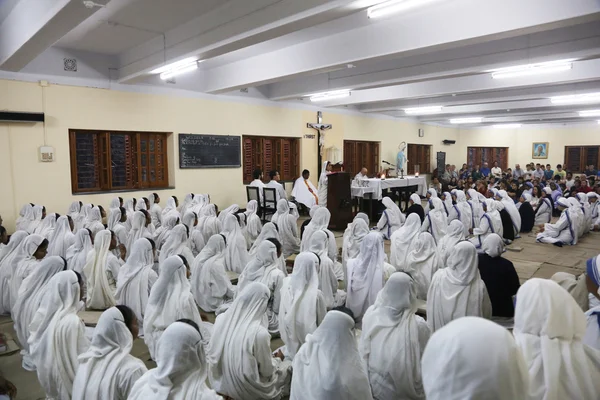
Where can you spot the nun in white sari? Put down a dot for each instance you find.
(136, 278)
(549, 327)
(35, 218)
(23, 219)
(210, 284)
(543, 211)
(302, 307)
(422, 263)
(351, 246)
(138, 229)
(435, 221)
(170, 300)
(14, 251)
(170, 208)
(457, 290)
(464, 210)
(181, 370)
(253, 223)
(176, 244)
(58, 336)
(107, 370)
(155, 210)
(472, 358)
(287, 228)
(77, 253)
(565, 230)
(577, 213)
(323, 183)
(101, 272)
(391, 218)
(320, 222)
(162, 234)
(490, 223)
(393, 340)
(196, 240)
(209, 222)
(29, 300)
(329, 275)
(115, 225)
(231, 210)
(512, 210)
(47, 226)
(455, 235)
(329, 365)
(263, 268)
(242, 366)
(269, 231)
(94, 221)
(367, 274)
(62, 238)
(474, 202)
(34, 250)
(401, 242)
(236, 253)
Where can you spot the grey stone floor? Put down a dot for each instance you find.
(531, 260)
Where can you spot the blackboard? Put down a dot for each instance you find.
(209, 151)
(441, 162)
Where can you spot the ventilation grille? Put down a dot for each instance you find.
(70, 64)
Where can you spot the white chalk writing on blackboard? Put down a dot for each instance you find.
(209, 151)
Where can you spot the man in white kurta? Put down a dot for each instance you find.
(323, 183)
(304, 191)
(257, 182)
(274, 184)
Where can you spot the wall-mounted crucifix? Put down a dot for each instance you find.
(320, 127)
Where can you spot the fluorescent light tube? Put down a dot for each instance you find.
(423, 110)
(174, 65)
(394, 6)
(469, 120)
(181, 70)
(589, 113)
(507, 126)
(532, 69)
(338, 94)
(576, 98)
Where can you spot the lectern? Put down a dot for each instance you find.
(339, 200)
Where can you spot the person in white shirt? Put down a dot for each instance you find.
(304, 192)
(497, 171)
(538, 173)
(517, 172)
(274, 184)
(362, 174)
(257, 182)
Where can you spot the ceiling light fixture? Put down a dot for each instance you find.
(178, 71)
(576, 98)
(469, 120)
(175, 65)
(423, 110)
(532, 69)
(337, 94)
(589, 113)
(394, 6)
(506, 126)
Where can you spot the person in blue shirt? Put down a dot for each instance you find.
(485, 171)
(548, 173)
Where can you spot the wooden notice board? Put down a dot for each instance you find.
(209, 151)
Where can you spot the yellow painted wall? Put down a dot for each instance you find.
(520, 141)
(24, 179)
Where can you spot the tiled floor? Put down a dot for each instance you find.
(531, 260)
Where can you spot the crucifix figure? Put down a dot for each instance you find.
(320, 127)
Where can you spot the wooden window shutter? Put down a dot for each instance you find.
(267, 155)
(248, 159)
(286, 167)
(573, 158)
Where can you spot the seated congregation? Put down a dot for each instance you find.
(348, 317)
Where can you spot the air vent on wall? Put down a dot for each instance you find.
(70, 64)
(15, 116)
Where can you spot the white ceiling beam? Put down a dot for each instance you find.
(499, 96)
(444, 25)
(447, 63)
(234, 25)
(582, 71)
(34, 25)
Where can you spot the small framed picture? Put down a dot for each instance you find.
(540, 150)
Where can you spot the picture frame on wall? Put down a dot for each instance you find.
(540, 150)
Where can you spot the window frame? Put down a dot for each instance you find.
(104, 166)
(269, 153)
(583, 158)
(423, 152)
(359, 152)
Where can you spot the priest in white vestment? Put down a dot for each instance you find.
(304, 192)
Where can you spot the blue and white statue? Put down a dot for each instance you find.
(401, 160)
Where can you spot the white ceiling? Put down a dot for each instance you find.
(437, 54)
